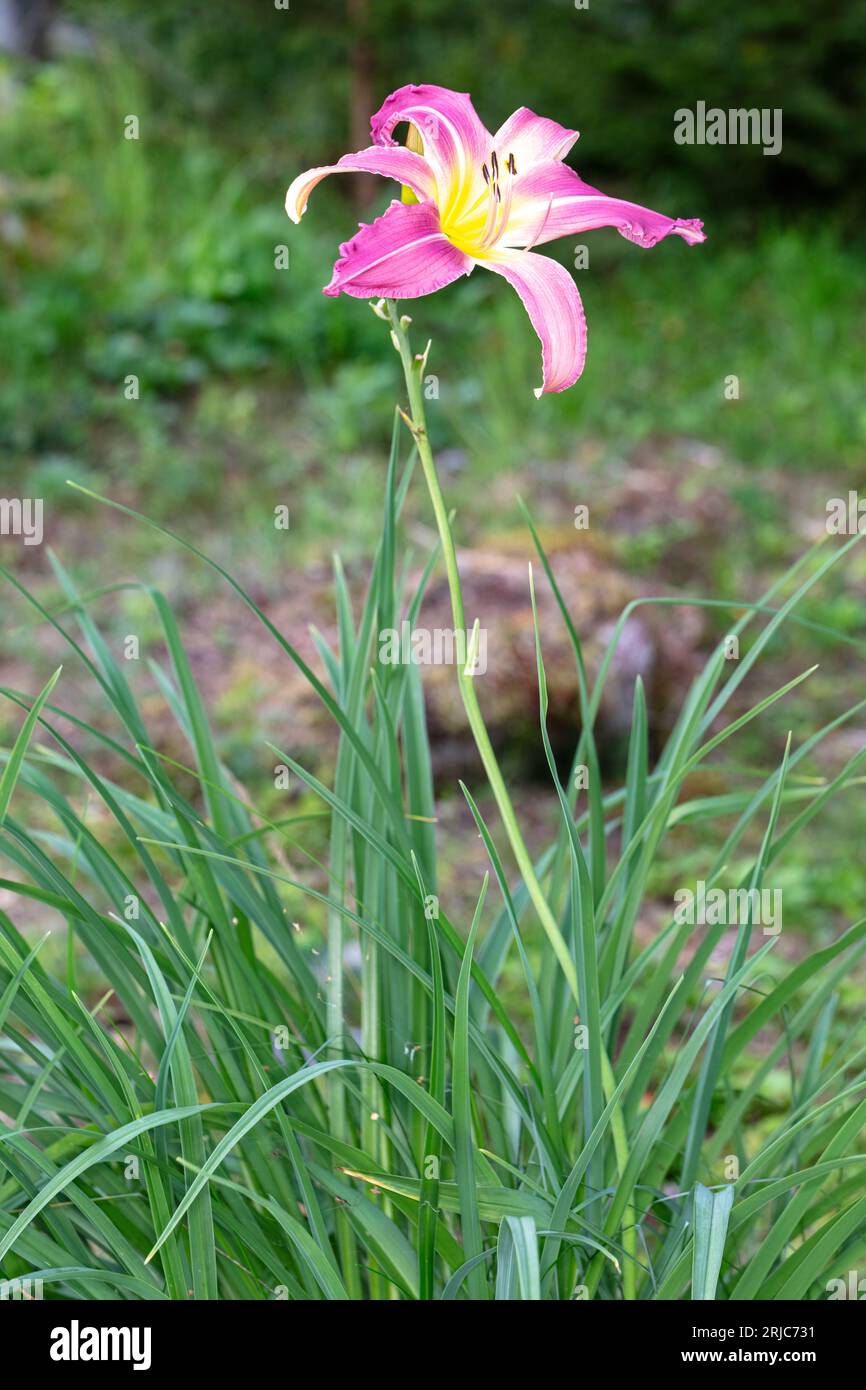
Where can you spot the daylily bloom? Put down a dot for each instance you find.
(480, 199)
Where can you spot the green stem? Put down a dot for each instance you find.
(413, 368)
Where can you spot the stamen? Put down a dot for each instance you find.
(529, 245)
(498, 210)
(492, 210)
(504, 212)
(497, 218)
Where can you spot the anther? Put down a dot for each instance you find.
(494, 164)
(511, 164)
(486, 172)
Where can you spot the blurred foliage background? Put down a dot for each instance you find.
(156, 257)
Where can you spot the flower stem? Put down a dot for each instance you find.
(413, 368)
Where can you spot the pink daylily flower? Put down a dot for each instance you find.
(482, 200)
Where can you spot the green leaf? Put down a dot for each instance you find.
(19, 748)
(712, 1210)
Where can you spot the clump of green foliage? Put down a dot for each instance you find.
(240, 1116)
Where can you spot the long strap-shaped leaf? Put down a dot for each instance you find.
(712, 1210)
(19, 747)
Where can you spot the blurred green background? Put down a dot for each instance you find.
(156, 257)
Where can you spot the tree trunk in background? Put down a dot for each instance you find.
(361, 94)
(25, 27)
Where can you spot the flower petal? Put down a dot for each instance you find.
(402, 255)
(532, 139)
(553, 304)
(456, 143)
(551, 200)
(395, 162)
